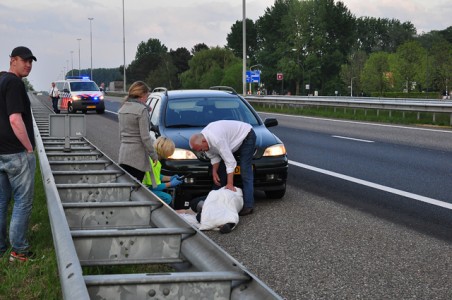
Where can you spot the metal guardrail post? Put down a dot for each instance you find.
(70, 271)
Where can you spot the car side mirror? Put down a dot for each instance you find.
(270, 122)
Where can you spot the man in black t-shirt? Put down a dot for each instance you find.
(17, 159)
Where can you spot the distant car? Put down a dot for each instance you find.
(80, 94)
(179, 114)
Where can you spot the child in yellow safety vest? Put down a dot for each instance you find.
(164, 148)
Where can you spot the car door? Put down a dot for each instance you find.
(154, 104)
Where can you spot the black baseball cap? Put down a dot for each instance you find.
(23, 52)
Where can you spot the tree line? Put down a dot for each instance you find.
(318, 45)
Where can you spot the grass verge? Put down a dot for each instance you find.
(37, 279)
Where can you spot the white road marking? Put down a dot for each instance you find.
(375, 185)
(361, 123)
(353, 139)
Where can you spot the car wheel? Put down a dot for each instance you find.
(70, 109)
(100, 111)
(275, 194)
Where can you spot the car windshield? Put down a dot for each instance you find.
(198, 112)
(84, 86)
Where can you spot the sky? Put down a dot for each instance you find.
(51, 29)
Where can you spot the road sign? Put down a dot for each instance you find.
(253, 76)
(279, 76)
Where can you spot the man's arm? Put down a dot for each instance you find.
(18, 125)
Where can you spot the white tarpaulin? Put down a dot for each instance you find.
(220, 207)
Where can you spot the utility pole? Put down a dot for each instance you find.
(72, 63)
(91, 44)
(79, 39)
(124, 44)
(244, 48)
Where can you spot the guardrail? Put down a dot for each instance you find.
(391, 104)
(100, 216)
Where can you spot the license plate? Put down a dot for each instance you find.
(91, 106)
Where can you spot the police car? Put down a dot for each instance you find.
(80, 94)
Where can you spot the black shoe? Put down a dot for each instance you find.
(246, 211)
(198, 217)
(226, 228)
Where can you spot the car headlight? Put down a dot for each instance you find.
(275, 150)
(76, 98)
(182, 154)
(101, 97)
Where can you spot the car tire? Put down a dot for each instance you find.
(70, 109)
(275, 194)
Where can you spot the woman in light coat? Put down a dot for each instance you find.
(135, 141)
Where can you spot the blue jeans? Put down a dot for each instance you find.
(246, 152)
(17, 173)
(164, 196)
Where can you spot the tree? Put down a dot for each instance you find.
(376, 34)
(442, 65)
(350, 72)
(207, 68)
(165, 75)
(28, 85)
(233, 76)
(147, 59)
(269, 37)
(152, 46)
(181, 57)
(235, 39)
(199, 47)
(376, 75)
(410, 64)
(321, 31)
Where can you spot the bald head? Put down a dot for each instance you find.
(198, 142)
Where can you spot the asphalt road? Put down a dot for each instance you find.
(331, 238)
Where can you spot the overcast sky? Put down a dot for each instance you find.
(51, 28)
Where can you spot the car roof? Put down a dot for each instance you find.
(177, 94)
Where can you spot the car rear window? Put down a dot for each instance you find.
(201, 111)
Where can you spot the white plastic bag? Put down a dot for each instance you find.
(220, 207)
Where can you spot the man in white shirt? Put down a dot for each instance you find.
(54, 94)
(220, 140)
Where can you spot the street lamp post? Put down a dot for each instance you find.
(79, 39)
(244, 47)
(124, 44)
(72, 62)
(91, 44)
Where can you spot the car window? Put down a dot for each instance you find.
(84, 86)
(203, 110)
(154, 103)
